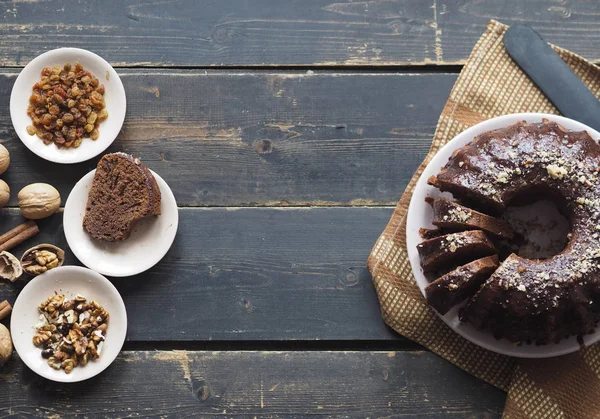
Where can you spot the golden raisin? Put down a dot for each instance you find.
(66, 105)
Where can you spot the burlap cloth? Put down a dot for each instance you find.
(490, 84)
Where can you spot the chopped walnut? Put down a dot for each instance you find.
(453, 242)
(502, 177)
(458, 214)
(557, 172)
(70, 332)
(41, 337)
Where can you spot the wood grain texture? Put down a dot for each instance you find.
(261, 384)
(271, 32)
(250, 274)
(248, 139)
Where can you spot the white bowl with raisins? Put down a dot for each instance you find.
(68, 105)
(68, 324)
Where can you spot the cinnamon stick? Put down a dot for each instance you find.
(5, 309)
(18, 229)
(22, 234)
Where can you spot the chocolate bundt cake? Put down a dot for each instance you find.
(123, 192)
(524, 300)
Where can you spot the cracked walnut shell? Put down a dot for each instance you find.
(10, 266)
(42, 258)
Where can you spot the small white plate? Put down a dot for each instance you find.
(420, 215)
(114, 98)
(69, 280)
(150, 239)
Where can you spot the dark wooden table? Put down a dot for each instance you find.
(287, 131)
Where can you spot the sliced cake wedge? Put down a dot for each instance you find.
(454, 249)
(123, 192)
(459, 284)
(451, 215)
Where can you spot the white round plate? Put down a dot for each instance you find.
(420, 215)
(69, 280)
(114, 98)
(150, 239)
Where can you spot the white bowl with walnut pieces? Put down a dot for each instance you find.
(70, 281)
(115, 103)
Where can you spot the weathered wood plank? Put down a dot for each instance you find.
(228, 32)
(569, 24)
(271, 32)
(264, 384)
(240, 139)
(250, 274)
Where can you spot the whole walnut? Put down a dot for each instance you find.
(4, 159)
(5, 345)
(4, 193)
(38, 200)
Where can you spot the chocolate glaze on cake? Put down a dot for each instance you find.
(459, 284)
(122, 193)
(539, 301)
(453, 249)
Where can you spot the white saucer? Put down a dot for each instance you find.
(420, 215)
(150, 239)
(114, 97)
(69, 280)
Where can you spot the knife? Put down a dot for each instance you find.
(552, 75)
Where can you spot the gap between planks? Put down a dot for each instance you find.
(418, 68)
(267, 205)
(401, 345)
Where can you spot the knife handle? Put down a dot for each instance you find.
(552, 75)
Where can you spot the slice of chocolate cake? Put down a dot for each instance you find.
(454, 249)
(122, 193)
(459, 284)
(431, 233)
(451, 215)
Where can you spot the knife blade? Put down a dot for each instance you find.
(552, 75)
